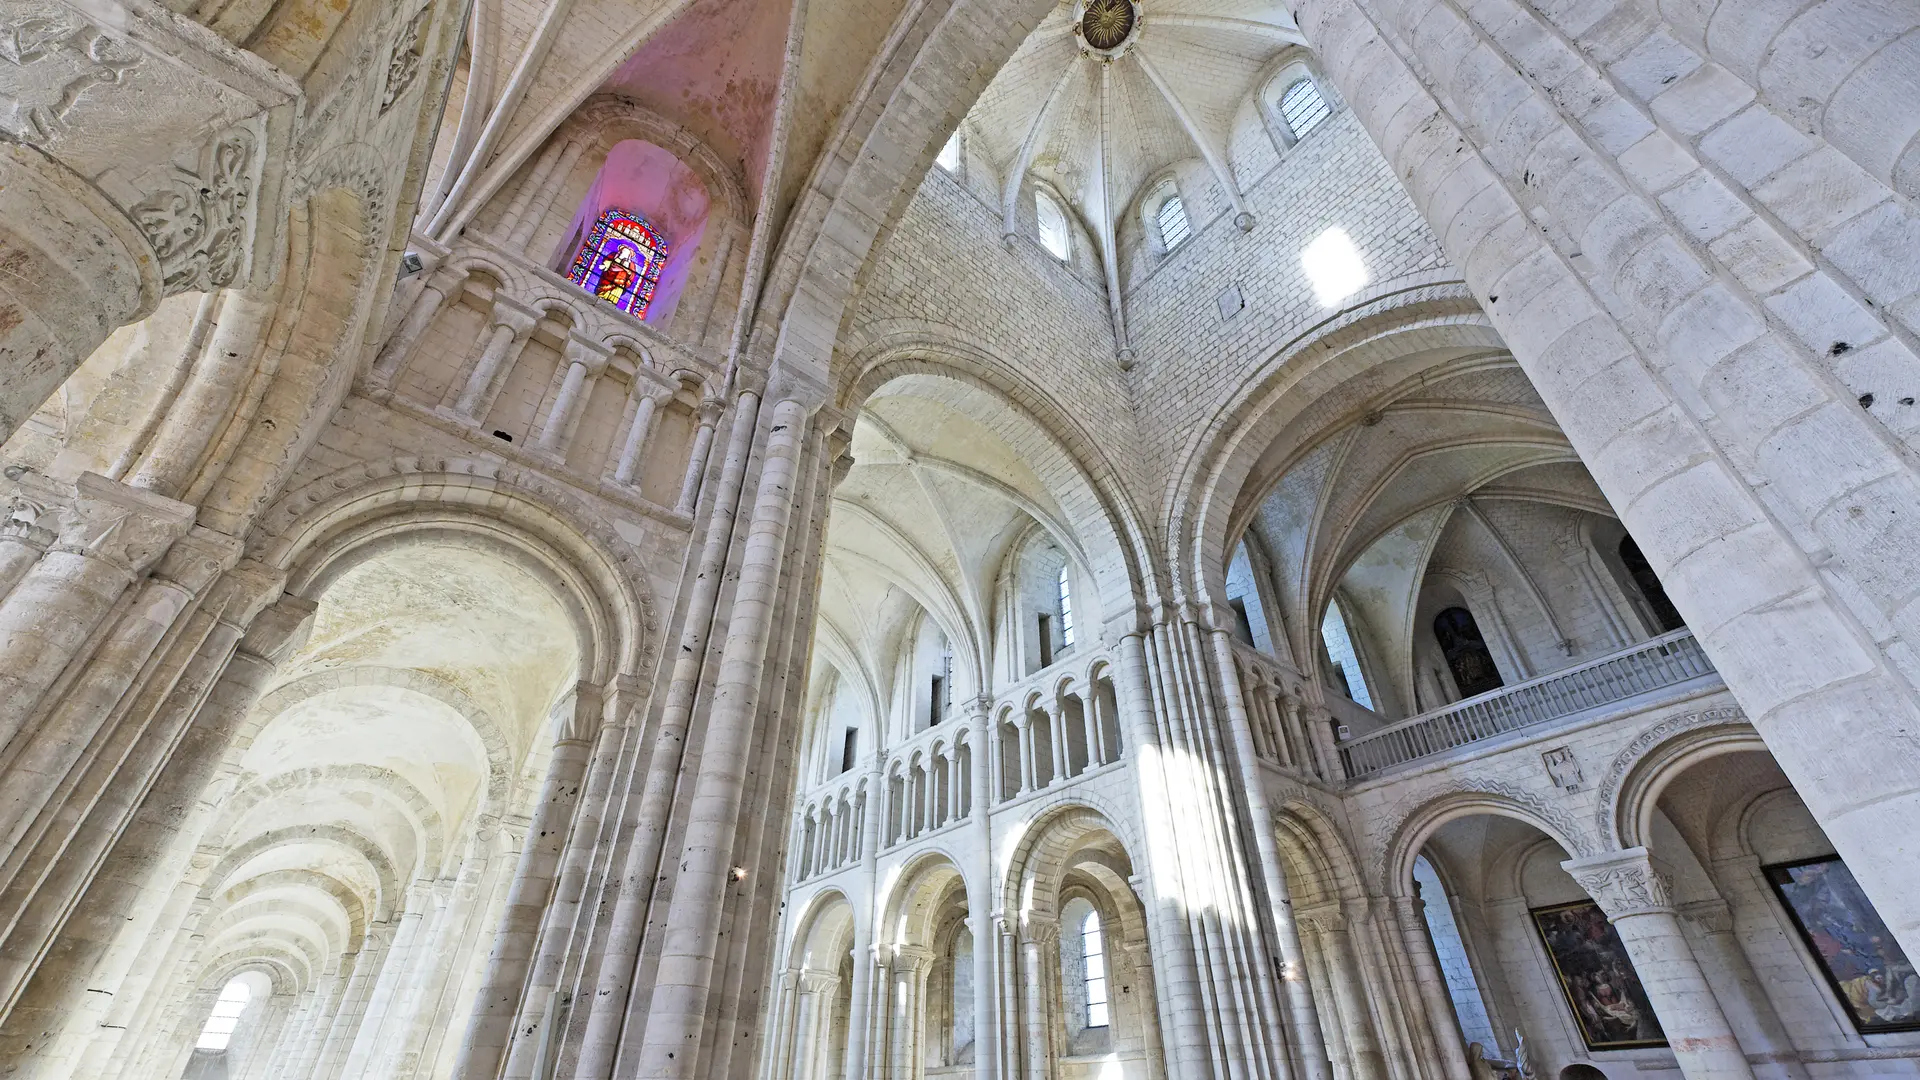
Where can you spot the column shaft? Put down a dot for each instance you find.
(614, 978)
(670, 1047)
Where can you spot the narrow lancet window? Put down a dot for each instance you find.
(1066, 609)
(1094, 948)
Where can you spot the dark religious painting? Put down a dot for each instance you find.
(1466, 652)
(1866, 967)
(1602, 988)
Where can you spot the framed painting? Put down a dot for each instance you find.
(1603, 991)
(1866, 968)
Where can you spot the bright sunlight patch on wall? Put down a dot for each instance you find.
(1334, 267)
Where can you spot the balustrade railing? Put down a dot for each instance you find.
(1652, 665)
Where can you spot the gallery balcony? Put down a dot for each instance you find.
(1649, 667)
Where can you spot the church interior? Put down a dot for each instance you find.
(959, 540)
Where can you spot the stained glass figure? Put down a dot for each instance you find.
(621, 261)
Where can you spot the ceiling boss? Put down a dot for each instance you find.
(1107, 28)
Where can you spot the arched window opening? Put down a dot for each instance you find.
(1052, 220)
(960, 991)
(1346, 673)
(1066, 608)
(949, 158)
(1171, 216)
(664, 204)
(621, 261)
(940, 696)
(1466, 652)
(1655, 594)
(227, 1008)
(1303, 108)
(1456, 967)
(850, 749)
(1093, 947)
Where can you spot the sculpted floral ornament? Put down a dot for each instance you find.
(197, 223)
(1622, 883)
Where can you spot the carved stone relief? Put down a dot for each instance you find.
(198, 222)
(49, 58)
(403, 62)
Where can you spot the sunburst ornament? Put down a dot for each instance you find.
(1106, 25)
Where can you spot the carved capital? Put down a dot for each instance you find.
(812, 981)
(199, 220)
(197, 559)
(711, 410)
(914, 958)
(1623, 883)
(514, 316)
(593, 354)
(1040, 930)
(1713, 916)
(122, 525)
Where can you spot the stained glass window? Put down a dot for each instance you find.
(620, 262)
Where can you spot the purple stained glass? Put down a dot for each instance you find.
(621, 261)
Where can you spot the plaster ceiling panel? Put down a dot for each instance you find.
(418, 737)
(1436, 476)
(934, 429)
(1566, 481)
(1288, 514)
(1210, 55)
(324, 857)
(716, 71)
(483, 624)
(1503, 384)
(339, 802)
(1380, 587)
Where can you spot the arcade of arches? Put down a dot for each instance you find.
(988, 539)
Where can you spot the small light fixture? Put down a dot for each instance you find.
(739, 873)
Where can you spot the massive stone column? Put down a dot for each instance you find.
(981, 895)
(1641, 239)
(676, 1020)
(612, 977)
(1639, 903)
(493, 1027)
(111, 536)
(1305, 1029)
(1349, 993)
(1436, 1004)
(101, 939)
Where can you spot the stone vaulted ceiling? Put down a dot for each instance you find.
(1097, 124)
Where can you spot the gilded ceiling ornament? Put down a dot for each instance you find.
(1105, 24)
